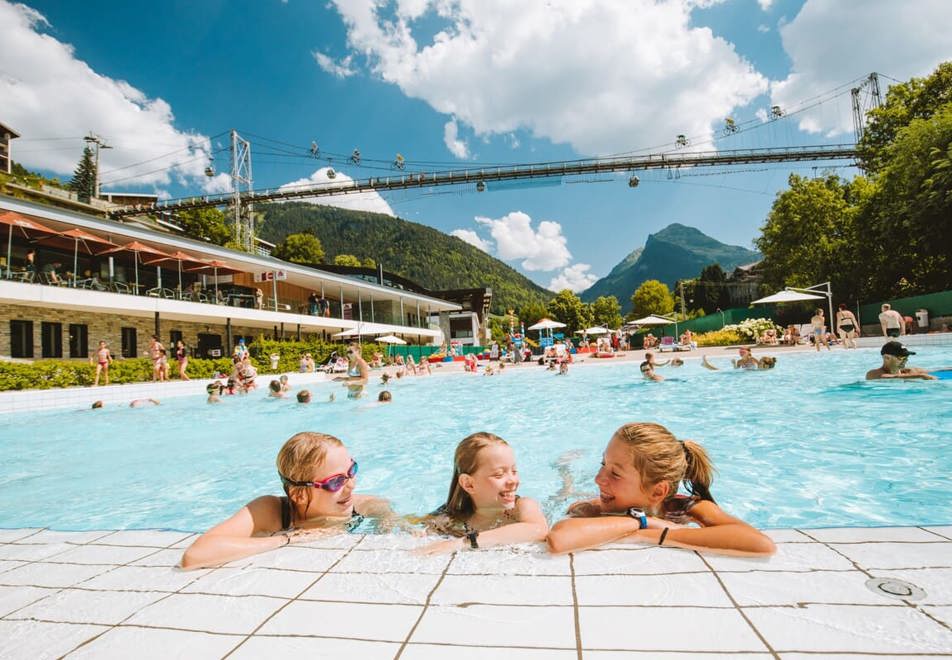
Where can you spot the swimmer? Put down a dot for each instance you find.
(676, 362)
(97, 405)
(895, 356)
(767, 362)
(143, 403)
(563, 368)
(358, 372)
(642, 469)
(384, 379)
(304, 396)
(482, 508)
(285, 386)
(648, 368)
(275, 390)
(213, 397)
(707, 365)
(384, 397)
(746, 359)
(319, 477)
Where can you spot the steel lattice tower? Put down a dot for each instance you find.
(241, 177)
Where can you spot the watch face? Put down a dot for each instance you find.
(636, 512)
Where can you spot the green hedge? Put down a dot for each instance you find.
(291, 351)
(46, 374)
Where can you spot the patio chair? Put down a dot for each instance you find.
(120, 287)
(668, 343)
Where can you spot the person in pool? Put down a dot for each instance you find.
(482, 508)
(648, 368)
(358, 372)
(895, 356)
(319, 477)
(642, 469)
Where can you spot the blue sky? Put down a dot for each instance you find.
(518, 82)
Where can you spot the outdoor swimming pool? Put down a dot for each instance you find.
(809, 444)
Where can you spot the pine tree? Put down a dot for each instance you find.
(84, 178)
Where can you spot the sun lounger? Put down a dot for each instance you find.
(668, 343)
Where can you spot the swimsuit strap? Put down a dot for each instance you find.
(285, 513)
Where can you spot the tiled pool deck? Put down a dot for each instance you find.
(117, 594)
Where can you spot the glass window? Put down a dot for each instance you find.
(129, 343)
(51, 339)
(174, 337)
(78, 340)
(21, 339)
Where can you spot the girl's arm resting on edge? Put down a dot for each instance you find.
(531, 527)
(571, 534)
(719, 532)
(239, 536)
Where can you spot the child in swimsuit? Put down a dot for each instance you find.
(642, 469)
(482, 508)
(319, 477)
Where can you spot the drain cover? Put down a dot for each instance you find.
(894, 588)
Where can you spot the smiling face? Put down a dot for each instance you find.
(494, 482)
(322, 502)
(620, 485)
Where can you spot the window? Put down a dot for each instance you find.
(174, 337)
(78, 340)
(129, 343)
(21, 339)
(51, 339)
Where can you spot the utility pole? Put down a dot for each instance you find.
(92, 138)
(859, 110)
(241, 175)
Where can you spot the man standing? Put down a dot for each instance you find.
(891, 322)
(895, 356)
(312, 304)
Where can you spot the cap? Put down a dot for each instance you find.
(896, 349)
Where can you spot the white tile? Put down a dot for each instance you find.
(50, 575)
(77, 538)
(169, 557)
(667, 655)
(13, 598)
(864, 534)
(373, 622)
(78, 606)
(9, 565)
(789, 557)
(767, 588)
(483, 625)
(315, 560)
(936, 582)
(252, 581)
(392, 542)
(35, 640)
(223, 614)
(787, 536)
(504, 590)
(942, 530)
(33, 552)
(315, 648)
(185, 542)
(638, 561)
(854, 656)
(334, 542)
(507, 561)
(373, 587)
(683, 589)
(850, 629)
(102, 554)
(390, 561)
(149, 538)
(143, 578)
(666, 629)
(899, 555)
(145, 643)
(442, 652)
(943, 614)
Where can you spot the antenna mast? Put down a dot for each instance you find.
(859, 110)
(241, 176)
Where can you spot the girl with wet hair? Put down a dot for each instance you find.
(642, 469)
(482, 508)
(319, 477)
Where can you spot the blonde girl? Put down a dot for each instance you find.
(642, 468)
(482, 508)
(319, 477)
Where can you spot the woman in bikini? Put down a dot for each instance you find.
(104, 357)
(847, 327)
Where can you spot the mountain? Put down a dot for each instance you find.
(421, 254)
(676, 252)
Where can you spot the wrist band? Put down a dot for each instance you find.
(287, 539)
(664, 533)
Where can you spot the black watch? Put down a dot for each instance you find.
(640, 516)
(472, 535)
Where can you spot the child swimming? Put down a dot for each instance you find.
(482, 508)
(319, 477)
(642, 468)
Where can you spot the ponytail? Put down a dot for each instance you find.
(699, 472)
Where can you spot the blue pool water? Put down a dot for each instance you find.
(809, 444)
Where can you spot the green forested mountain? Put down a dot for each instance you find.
(676, 252)
(420, 253)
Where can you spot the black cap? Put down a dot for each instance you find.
(896, 349)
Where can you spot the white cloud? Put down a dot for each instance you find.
(602, 75)
(830, 42)
(543, 248)
(457, 146)
(48, 92)
(342, 69)
(763, 28)
(762, 115)
(364, 201)
(471, 237)
(574, 278)
(765, 4)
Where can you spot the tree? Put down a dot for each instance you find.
(346, 260)
(570, 310)
(303, 248)
(369, 263)
(532, 312)
(652, 297)
(711, 292)
(606, 312)
(84, 177)
(205, 225)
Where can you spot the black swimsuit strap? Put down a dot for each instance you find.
(285, 513)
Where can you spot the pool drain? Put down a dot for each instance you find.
(893, 588)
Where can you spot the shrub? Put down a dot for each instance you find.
(291, 352)
(47, 374)
(723, 337)
(753, 329)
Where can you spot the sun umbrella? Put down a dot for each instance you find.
(787, 297)
(74, 237)
(391, 339)
(651, 319)
(137, 248)
(216, 266)
(597, 330)
(353, 332)
(179, 257)
(26, 226)
(546, 324)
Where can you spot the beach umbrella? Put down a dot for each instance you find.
(353, 332)
(75, 238)
(179, 257)
(391, 339)
(215, 265)
(787, 297)
(650, 320)
(597, 330)
(137, 249)
(546, 324)
(26, 226)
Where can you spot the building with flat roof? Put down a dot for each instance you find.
(7, 135)
(71, 279)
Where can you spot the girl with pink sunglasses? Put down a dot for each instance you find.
(319, 477)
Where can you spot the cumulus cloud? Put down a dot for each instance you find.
(540, 248)
(828, 40)
(48, 92)
(765, 4)
(457, 146)
(364, 201)
(471, 237)
(574, 278)
(342, 69)
(601, 75)
(763, 28)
